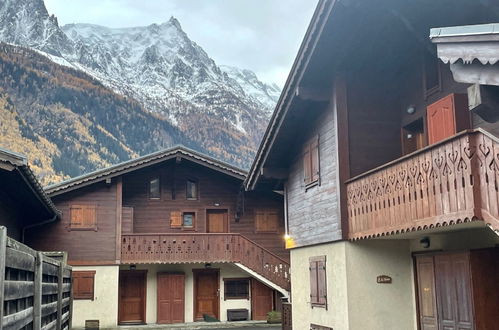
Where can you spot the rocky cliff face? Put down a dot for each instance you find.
(222, 110)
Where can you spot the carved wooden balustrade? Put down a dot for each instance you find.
(453, 181)
(204, 248)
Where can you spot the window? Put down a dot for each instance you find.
(188, 219)
(311, 168)
(82, 217)
(83, 284)
(266, 220)
(236, 288)
(154, 188)
(192, 189)
(318, 294)
(432, 81)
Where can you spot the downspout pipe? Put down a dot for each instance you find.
(53, 219)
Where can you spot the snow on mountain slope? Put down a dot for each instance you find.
(224, 109)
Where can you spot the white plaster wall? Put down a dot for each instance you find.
(380, 306)
(336, 315)
(104, 307)
(226, 271)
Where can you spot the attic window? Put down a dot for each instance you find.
(154, 188)
(192, 189)
(432, 81)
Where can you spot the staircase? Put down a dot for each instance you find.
(206, 248)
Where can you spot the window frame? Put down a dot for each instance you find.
(430, 90)
(92, 227)
(151, 179)
(247, 296)
(189, 228)
(77, 274)
(320, 273)
(311, 152)
(196, 182)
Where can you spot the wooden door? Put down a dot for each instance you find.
(261, 300)
(132, 297)
(426, 293)
(206, 295)
(171, 298)
(217, 221)
(444, 292)
(441, 119)
(453, 284)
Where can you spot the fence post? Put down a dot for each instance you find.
(59, 295)
(37, 298)
(3, 250)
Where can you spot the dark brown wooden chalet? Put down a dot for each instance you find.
(373, 137)
(35, 289)
(174, 207)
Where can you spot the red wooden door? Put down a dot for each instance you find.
(206, 293)
(426, 293)
(171, 298)
(441, 119)
(453, 284)
(132, 297)
(261, 300)
(217, 221)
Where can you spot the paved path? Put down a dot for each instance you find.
(245, 325)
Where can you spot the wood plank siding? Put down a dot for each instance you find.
(313, 214)
(82, 245)
(137, 213)
(215, 191)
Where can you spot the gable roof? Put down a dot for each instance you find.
(17, 174)
(144, 161)
(321, 14)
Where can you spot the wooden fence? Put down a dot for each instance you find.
(205, 247)
(36, 289)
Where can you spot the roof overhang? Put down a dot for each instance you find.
(292, 91)
(471, 50)
(21, 185)
(178, 152)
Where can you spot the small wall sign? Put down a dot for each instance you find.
(384, 279)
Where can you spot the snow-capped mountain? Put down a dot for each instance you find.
(224, 109)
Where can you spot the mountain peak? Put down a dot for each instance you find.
(174, 22)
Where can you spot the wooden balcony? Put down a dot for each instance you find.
(453, 181)
(204, 248)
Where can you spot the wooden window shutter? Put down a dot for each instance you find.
(314, 290)
(321, 282)
(83, 217)
(176, 219)
(76, 214)
(272, 222)
(83, 284)
(260, 220)
(307, 171)
(314, 159)
(318, 294)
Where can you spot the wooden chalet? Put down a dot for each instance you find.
(385, 142)
(170, 237)
(35, 288)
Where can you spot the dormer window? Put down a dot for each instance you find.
(154, 188)
(192, 190)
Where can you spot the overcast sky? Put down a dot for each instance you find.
(261, 35)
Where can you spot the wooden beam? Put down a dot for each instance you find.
(313, 94)
(274, 173)
(119, 214)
